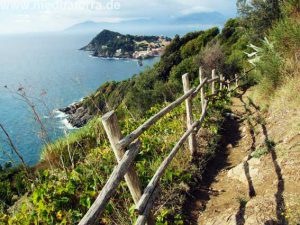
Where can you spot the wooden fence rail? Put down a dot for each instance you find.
(160, 171)
(145, 200)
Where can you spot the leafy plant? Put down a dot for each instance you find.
(258, 153)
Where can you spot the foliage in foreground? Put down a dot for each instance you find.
(278, 55)
(63, 196)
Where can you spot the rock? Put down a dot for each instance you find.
(261, 210)
(229, 146)
(225, 218)
(80, 111)
(239, 172)
(78, 115)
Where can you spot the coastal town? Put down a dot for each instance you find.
(109, 44)
(152, 49)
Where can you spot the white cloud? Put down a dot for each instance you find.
(44, 15)
(195, 10)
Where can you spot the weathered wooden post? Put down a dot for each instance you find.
(228, 85)
(213, 84)
(202, 91)
(221, 82)
(189, 113)
(236, 81)
(111, 126)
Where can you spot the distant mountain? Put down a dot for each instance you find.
(91, 26)
(201, 18)
(113, 44)
(204, 18)
(87, 26)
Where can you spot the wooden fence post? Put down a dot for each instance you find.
(213, 84)
(111, 126)
(189, 113)
(202, 91)
(228, 85)
(236, 81)
(221, 80)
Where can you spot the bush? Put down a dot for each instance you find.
(211, 57)
(278, 58)
(13, 183)
(186, 66)
(286, 37)
(258, 16)
(269, 74)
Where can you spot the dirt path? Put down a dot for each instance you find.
(232, 151)
(246, 182)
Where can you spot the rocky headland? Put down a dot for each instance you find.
(78, 114)
(109, 44)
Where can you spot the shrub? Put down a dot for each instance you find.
(286, 37)
(211, 57)
(278, 57)
(258, 16)
(269, 67)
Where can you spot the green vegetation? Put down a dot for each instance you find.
(75, 168)
(112, 44)
(63, 194)
(13, 184)
(276, 58)
(162, 83)
(260, 152)
(277, 76)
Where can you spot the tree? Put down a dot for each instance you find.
(258, 15)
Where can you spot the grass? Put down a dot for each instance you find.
(287, 95)
(75, 146)
(243, 202)
(258, 153)
(84, 161)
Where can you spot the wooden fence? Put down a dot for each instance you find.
(144, 200)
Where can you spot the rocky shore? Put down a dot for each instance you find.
(78, 115)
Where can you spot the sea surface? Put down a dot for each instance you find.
(52, 73)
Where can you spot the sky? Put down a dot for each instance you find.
(18, 16)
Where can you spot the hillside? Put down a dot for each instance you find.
(112, 44)
(246, 166)
(157, 85)
(75, 168)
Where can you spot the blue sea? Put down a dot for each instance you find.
(52, 73)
